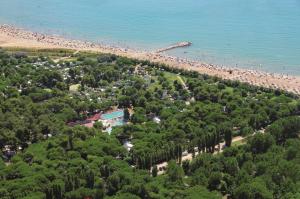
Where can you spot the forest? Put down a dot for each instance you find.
(181, 119)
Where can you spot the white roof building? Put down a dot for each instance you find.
(156, 120)
(128, 145)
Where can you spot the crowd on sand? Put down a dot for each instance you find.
(11, 36)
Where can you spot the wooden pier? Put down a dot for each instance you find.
(177, 45)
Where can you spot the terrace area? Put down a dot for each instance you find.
(108, 119)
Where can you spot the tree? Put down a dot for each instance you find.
(126, 196)
(175, 173)
(124, 101)
(90, 179)
(231, 166)
(98, 125)
(113, 184)
(126, 114)
(225, 130)
(245, 131)
(38, 114)
(285, 128)
(253, 190)
(138, 116)
(57, 190)
(186, 167)
(199, 177)
(228, 137)
(154, 171)
(214, 181)
(260, 143)
(198, 192)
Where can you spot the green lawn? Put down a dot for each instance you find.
(229, 89)
(171, 77)
(53, 53)
(238, 143)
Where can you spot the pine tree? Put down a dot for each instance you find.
(154, 171)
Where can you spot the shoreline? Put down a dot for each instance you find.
(11, 36)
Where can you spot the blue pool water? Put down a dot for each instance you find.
(256, 34)
(115, 118)
(119, 122)
(113, 115)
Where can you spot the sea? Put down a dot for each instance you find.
(252, 34)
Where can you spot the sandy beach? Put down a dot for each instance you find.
(15, 37)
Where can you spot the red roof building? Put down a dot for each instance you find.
(95, 117)
(89, 125)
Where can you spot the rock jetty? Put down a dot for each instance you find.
(177, 45)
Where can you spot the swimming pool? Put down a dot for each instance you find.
(115, 118)
(113, 115)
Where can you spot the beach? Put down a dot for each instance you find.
(11, 36)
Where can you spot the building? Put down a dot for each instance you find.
(128, 146)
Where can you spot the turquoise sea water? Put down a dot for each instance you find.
(255, 34)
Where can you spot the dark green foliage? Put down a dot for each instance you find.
(55, 160)
(260, 143)
(126, 114)
(253, 190)
(175, 173)
(154, 171)
(285, 128)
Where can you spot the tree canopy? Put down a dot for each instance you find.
(169, 115)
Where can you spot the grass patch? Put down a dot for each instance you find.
(155, 84)
(48, 90)
(228, 89)
(238, 143)
(171, 77)
(74, 87)
(41, 52)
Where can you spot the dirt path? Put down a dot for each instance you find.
(182, 82)
(189, 156)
